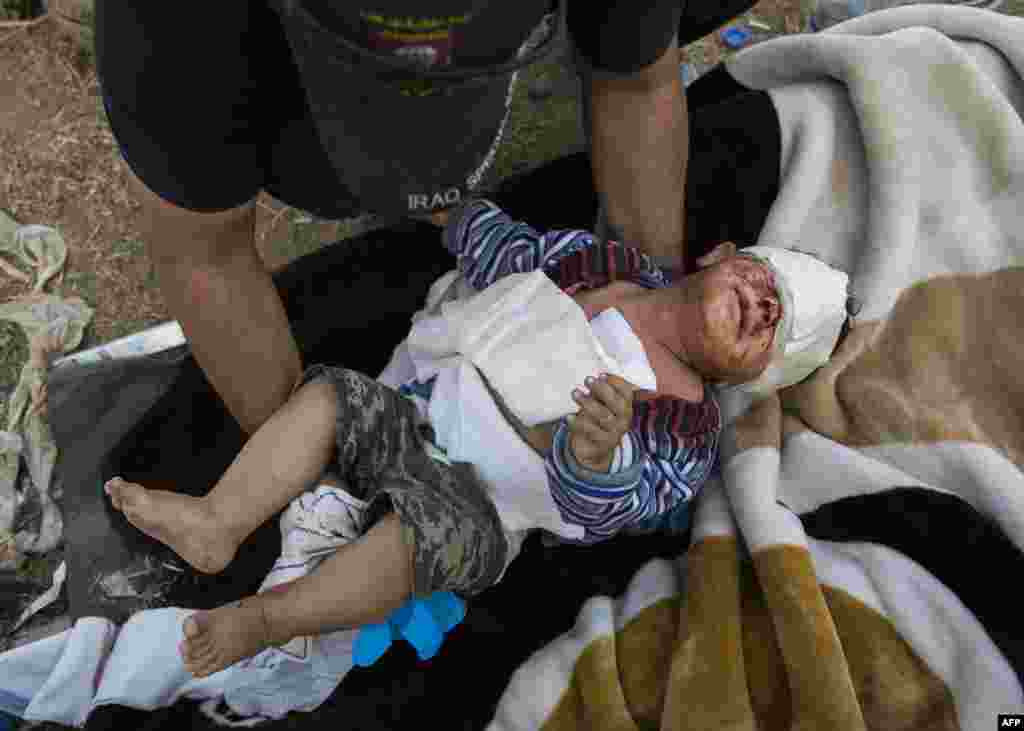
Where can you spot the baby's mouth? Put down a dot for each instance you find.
(741, 305)
(750, 308)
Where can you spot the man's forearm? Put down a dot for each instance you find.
(640, 149)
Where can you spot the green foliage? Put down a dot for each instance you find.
(1014, 7)
(538, 131)
(15, 9)
(87, 38)
(303, 237)
(127, 248)
(130, 327)
(81, 284)
(13, 356)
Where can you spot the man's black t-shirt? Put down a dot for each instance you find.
(209, 111)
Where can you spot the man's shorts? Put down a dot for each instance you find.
(209, 122)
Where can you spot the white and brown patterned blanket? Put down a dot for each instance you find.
(856, 564)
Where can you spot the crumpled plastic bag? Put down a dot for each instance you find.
(30, 520)
(41, 249)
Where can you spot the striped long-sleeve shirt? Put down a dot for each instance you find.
(672, 444)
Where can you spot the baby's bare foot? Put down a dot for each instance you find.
(181, 522)
(218, 639)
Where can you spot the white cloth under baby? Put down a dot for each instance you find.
(525, 320)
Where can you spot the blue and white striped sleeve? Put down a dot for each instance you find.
(600, 502)
(490, 245)
(638, 486)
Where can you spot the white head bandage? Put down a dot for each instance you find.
(813, 298)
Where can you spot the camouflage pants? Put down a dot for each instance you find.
(447, 518)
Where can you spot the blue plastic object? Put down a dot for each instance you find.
(6, 722)
(736, 37)
(688, 73)
(423, 623)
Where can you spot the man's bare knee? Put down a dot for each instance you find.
(205, 239)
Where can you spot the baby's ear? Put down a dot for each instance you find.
(723, 251)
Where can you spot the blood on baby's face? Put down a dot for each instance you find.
(739, 310)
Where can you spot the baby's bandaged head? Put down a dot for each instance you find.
(813, 297)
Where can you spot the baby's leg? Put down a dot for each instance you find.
(362, 583)
(437, 530)
(280, 462)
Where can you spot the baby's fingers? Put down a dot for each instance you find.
(593, 409)
(585, 445)
(587, 427)
(613, 393)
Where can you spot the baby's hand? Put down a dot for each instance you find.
(604, 417)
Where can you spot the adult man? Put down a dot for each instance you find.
(344, 107)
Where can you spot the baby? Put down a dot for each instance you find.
(626, 461)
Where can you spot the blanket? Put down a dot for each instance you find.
(846, 570)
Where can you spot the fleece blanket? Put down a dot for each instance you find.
(903, 164)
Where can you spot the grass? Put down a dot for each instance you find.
(132, 249)
(1013, 7)
(15, 9)
(87, 38)
(303, 237)
(537, 131)
(81, 284)
(13, 355)
(127, 248)
(122, 328)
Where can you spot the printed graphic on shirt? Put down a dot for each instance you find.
(429, 43)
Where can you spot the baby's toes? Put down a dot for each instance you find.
(122, 496)
(113, 493)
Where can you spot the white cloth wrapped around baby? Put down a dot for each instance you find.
(534, 345)
(532, 341)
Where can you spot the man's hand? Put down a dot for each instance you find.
(605, 415)
(437, 218)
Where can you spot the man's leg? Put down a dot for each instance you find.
(278, 464)
(655, 121)
(363, 583)
(211, 159)
(215, 284)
